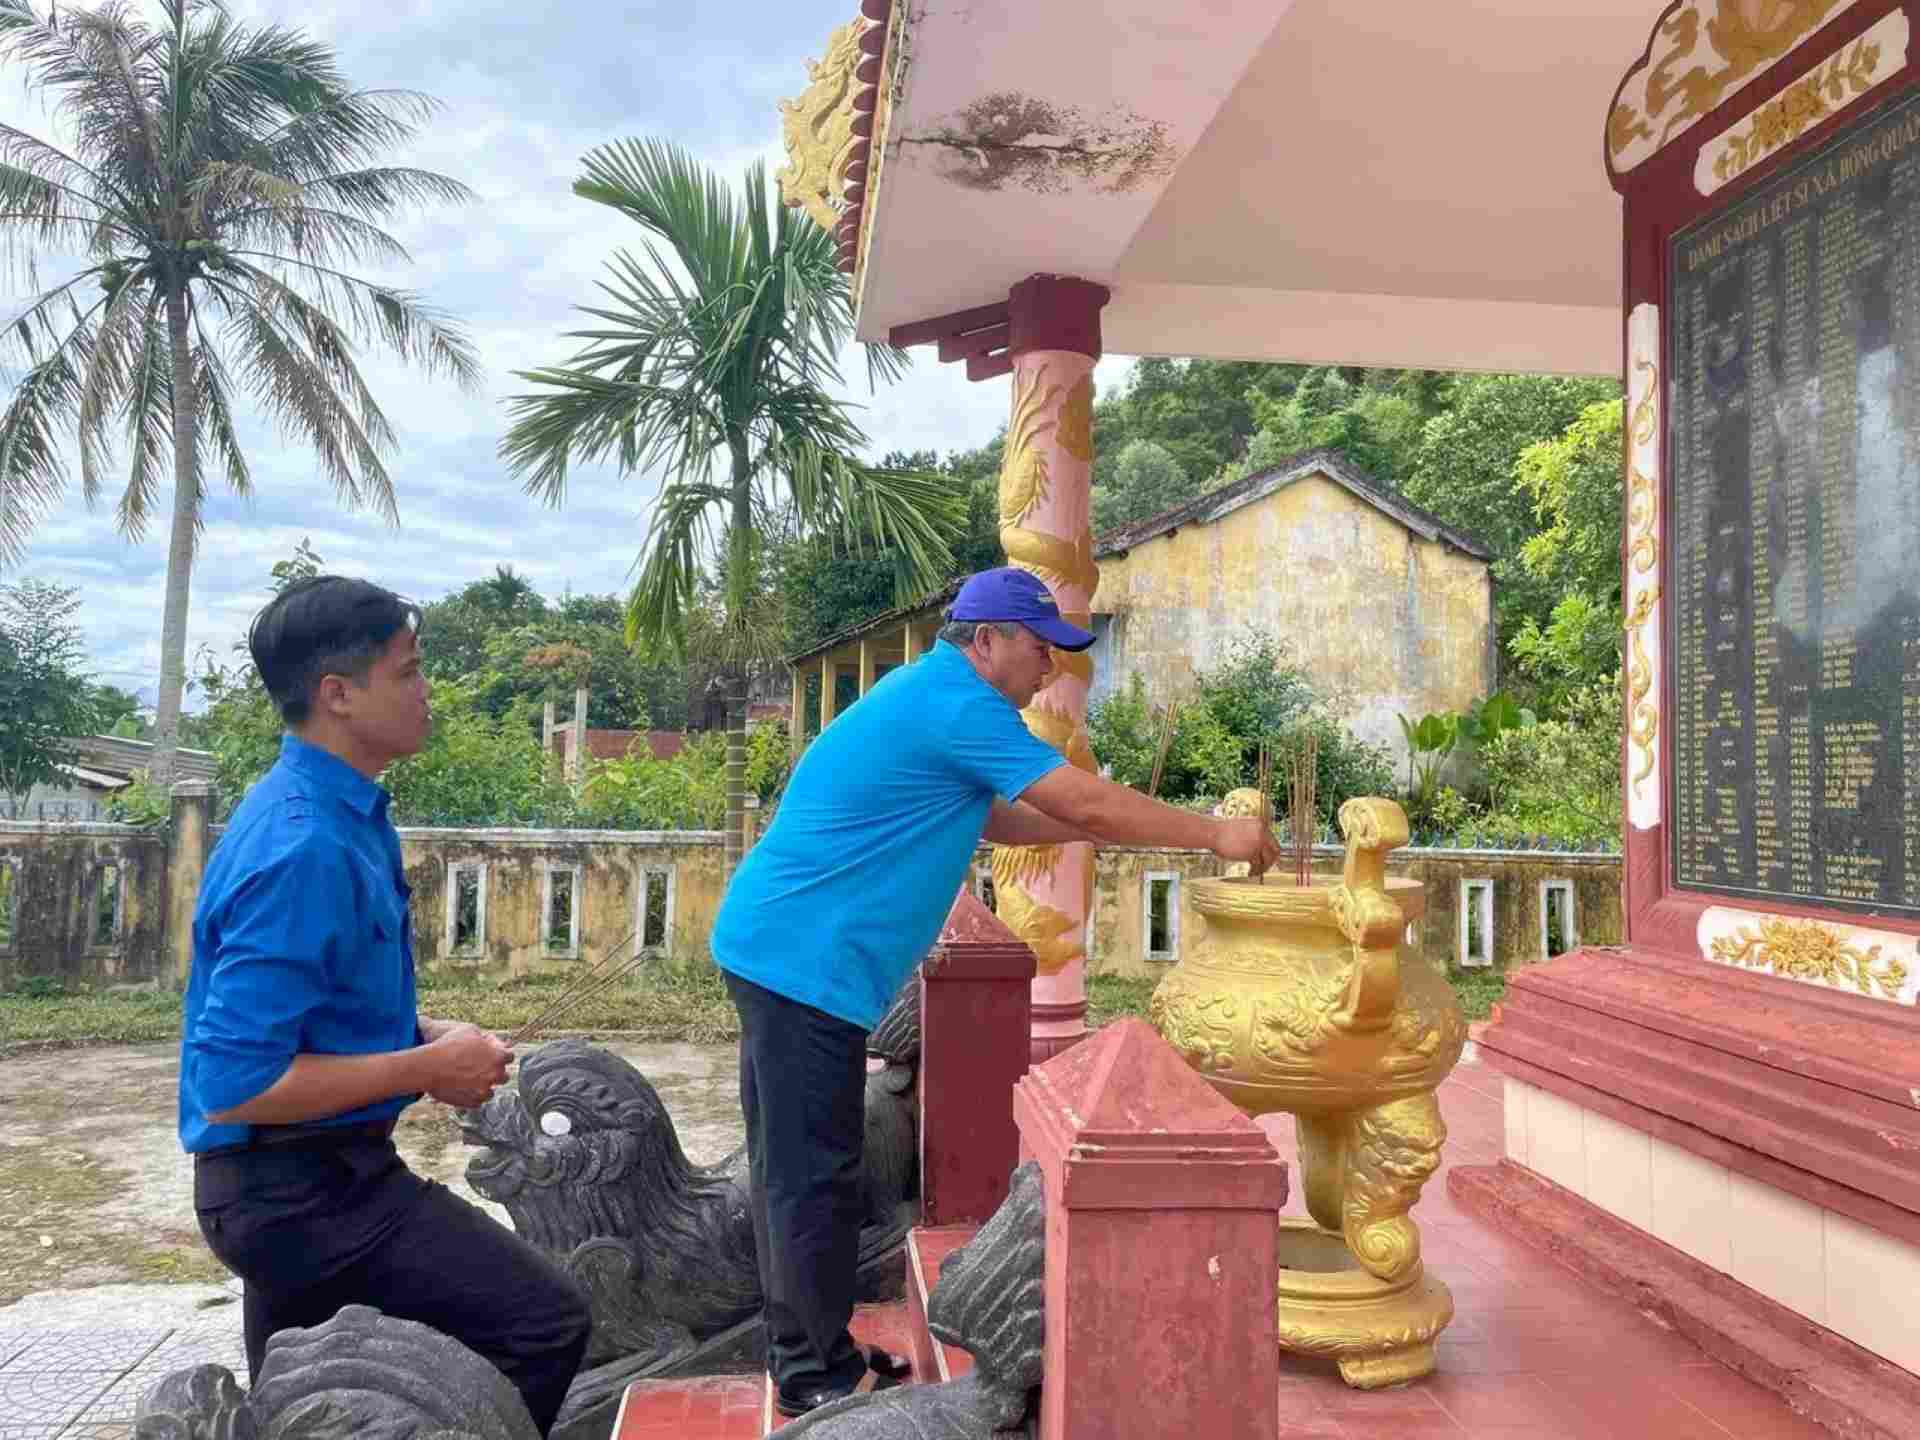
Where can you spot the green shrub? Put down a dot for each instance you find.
(1558, 782)
(638, 792)
(1253, 695)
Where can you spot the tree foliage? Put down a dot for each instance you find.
(1146, 481)
(221, 182)
(45, 698)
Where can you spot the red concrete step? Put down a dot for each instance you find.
(725, 1407)
(927, 1251)
(739, 1407)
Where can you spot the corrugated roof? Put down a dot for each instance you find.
(899, 615)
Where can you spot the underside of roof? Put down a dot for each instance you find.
(1356, 182)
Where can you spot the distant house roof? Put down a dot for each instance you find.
(116, 761)
(1201, 510)
(1216, 504)
(93, 779)
(899, 615)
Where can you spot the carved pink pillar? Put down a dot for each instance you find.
(1043, 892)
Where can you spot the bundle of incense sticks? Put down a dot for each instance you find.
(1303, 814)
(1160, 753)
(611, 968)
(1264, 780)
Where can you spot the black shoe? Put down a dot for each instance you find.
(793, 1406)
(890, 1368)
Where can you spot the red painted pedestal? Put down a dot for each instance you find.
(975, 997)
(1163, 1206)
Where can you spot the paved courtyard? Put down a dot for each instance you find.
(1534, 1351)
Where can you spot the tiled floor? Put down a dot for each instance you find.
(1533, 1353)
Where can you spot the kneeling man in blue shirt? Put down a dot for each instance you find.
(302, 1043)
(844, 894)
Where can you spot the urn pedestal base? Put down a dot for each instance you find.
(1380, 1331)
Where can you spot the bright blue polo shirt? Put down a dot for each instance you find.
(301, 942)
(847, 890)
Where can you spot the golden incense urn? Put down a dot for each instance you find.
(1305, 998)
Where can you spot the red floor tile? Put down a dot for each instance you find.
(1476, 1400)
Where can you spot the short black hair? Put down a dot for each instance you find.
(323, 625)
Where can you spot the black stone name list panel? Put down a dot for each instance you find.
(1793, 448)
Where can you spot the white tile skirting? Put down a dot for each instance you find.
(1849, 1277)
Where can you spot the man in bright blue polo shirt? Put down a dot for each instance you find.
(834, 907)
(302, 1045)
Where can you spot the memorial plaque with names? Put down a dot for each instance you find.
(1793, 527)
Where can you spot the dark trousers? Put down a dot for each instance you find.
(314, 1227)
(803, 1092)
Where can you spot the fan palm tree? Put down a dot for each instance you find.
(710, 363)
(218, 180)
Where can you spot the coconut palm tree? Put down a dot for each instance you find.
(710, 364)
(218, 180)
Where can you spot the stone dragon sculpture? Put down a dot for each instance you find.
(586, 1161)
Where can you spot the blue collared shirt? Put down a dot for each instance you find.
(843, 895)
(301, 942)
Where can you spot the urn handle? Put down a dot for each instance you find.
(1368, 916)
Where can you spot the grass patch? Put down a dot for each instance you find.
(1113, 997)
(82, 1017)
(1478, 991)
(682, 1000)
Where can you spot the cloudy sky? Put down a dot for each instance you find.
(527, 89)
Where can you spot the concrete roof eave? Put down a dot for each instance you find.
(1372, 183)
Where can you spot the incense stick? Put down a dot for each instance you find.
(1303, 814)
(1264, 778)
(1160, 752)
(610, 967)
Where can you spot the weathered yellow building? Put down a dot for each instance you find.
(1388, 610)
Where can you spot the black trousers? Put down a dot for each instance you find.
(803, 1092)
(314, 1226)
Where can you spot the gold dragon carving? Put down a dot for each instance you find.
(1807, 950)
(1643, 554)
(1041, 412)
(1395, 1147)
(1806, 102)
(1686, 80)
(818, 129)
(1204, 1024)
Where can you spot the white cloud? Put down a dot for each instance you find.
(526, 91)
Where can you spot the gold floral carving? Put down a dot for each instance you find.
(1643, 554)
(1805, 103)
(818, 129)
(1808, 950)
(1694, 62)
(1643, 726)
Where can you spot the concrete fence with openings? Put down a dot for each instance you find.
(97, 904)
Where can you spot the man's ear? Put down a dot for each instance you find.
(330, 694)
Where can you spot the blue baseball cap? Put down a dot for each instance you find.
(1016, 595)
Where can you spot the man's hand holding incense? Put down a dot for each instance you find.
(1248, 840)
(465, 1064)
